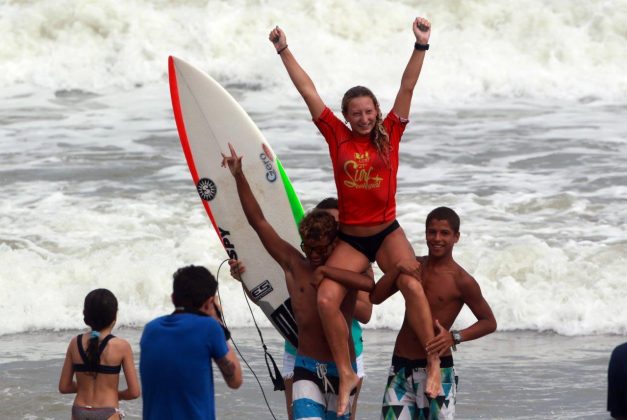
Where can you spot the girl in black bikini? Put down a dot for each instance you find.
(96, 359)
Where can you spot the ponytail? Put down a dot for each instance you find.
(99, 311)
(93, 353)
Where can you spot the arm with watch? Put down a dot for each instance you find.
(421, 28)
(485, 324)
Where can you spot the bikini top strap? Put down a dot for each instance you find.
(104, 342)
(81, 350)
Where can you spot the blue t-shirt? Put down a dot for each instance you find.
(175, 366)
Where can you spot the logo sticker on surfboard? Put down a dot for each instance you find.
(206, 189)
(267, 158)
(262, 290)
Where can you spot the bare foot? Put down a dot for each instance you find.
(343, 396)
(434, 379)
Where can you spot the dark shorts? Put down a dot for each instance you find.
(369, 245)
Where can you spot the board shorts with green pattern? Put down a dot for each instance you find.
(405, 396)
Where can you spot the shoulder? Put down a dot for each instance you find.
(294, 261)
(153, 327)
(326, 114)
(461, 275)
(214, 334)
(72, 346)
(620, 352)
(208, 324)
(154, 323)
(328, 122)
(393, 118)
(119, 343)
(464, 281)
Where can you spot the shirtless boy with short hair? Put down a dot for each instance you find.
(362, 314)
(448, 288)
(316, 379)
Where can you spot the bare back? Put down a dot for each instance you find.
(101, 390)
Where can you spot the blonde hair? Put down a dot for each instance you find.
(378, 135)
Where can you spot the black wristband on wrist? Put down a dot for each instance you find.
(421, 47)
(227, 333)
(281, 50)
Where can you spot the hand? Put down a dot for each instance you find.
(234, 162)
(410, 266)
(441, 342)
(318, 276)
(217, 311)
(278, 38)
(422, 30)
(237, 269)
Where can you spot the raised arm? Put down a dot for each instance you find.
(231, 369)
(280, 250)
(130, 374)
(300, 78)
(422, 32)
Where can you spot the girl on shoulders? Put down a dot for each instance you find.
(365, 162)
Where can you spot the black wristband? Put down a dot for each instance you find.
(227, 333)
(421, 47)
(281, 50)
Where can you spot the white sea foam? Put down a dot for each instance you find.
(76, 244)
(517, 123)
(563, 49)
(54, 250)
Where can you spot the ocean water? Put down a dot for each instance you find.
(517, 122)
(506, 375)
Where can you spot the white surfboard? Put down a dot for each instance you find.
(208, 118)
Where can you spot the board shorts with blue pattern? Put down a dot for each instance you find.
(405, 398)
(314, 393)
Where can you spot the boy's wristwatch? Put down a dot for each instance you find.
(457, 338)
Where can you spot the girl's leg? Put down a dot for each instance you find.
(330, 297)
(396, 248)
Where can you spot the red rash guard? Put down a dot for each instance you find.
(366, 186)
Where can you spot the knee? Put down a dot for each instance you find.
(409, 285)
(327, 302)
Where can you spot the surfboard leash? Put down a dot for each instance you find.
(277, 372)
(277, 379)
